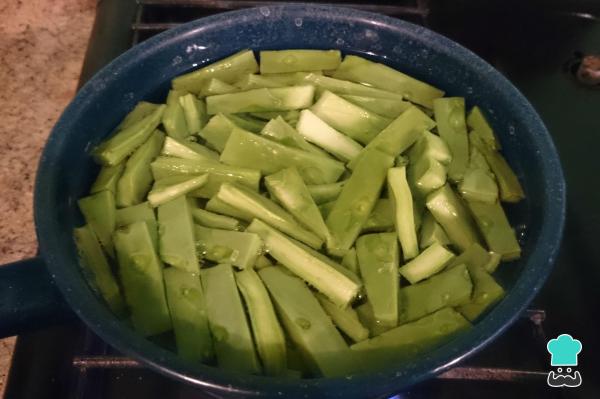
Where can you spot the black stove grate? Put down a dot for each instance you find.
(98, 371)
(155, 16)
(534, 318)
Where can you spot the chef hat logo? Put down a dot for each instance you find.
(564, 350)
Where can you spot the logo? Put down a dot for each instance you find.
(563, 352)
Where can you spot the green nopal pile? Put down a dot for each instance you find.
(306, 215)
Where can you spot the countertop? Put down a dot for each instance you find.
(42, 45)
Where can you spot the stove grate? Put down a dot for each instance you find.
(155, 16)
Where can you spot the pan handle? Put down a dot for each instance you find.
(29, 299)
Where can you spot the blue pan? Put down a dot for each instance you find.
(28, 297)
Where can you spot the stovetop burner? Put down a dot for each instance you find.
(541, 47)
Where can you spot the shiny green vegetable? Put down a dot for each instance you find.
(216, 86)
(333, 263)
(262, 208)
(187, 306)
(254, 81)
(339, 288)
(140, 272)
(268, 335)
(478, 185)
(261, 262)
(217, 131)
(139, 213)
(283, 61)
(177, 245)
(322, 193)
(427, 174)
(480, 127)
(486, 292)
(316, 131)
(218, 206)
(450, 119)
(107, 178)
(248, 150)
(307, 324)
(452, 287)
(124, 142)
(174, 95)
(476, 158)
(508, 184)
(169, 188)
(174, 121)
(352, 120)
(356, 201)
(431, 232)
(132, 214)
(288, 188)
(430, 261)
(227, 70)
(141, 110)
(400, 134)
(99, 212)
(241, 249)
(475, 255)
(381, 218)
(325, 208)
(247, 122)
(350, 261)
(98, 269)
(280, 131)
(227, 320)
(258, 100)
(432, 146)
(493, 262)
(345, 319)
(496, 229)
(341, 87)
(214, 220)
(408, 340)
(378, 261)
(390, 108)
(187, 150)
(136, 180)
(361, 70)
(448, 210)
(291, 78)
(404, 219)
(290, 117)
(218, 173)
(194, 111)
(367, 319)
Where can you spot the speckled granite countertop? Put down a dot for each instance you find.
(42, 44)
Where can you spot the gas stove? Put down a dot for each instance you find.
(546, 48)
